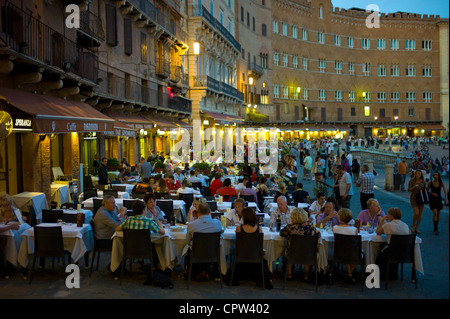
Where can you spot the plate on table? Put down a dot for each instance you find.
(176, 228)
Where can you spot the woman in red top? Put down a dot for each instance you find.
(227, 190)
(215, 184)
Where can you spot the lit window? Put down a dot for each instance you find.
(366, 110)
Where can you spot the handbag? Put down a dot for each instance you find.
(422, 197)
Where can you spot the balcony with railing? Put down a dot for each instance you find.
(23, 33)
(255, 71)
(213, 22)
(161, 18)
(210, 83)
(129, 91)
(90, 33)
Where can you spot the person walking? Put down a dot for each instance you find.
(366, 183)
(402, 170)
(435, 188)
(416, 185)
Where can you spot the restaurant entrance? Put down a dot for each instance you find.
(15, 163)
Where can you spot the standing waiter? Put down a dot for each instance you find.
(366, 183)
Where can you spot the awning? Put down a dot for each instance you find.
(167, 124)
(342, 128)
(223, 117)
(55, 115)
(122, 129)
(432, 127)
(132, 121)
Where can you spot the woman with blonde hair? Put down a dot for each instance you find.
(8, 210)
(192, 214)
(299, 225)
(282, 191)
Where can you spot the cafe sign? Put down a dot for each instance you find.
(45, 126)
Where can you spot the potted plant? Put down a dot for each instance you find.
(112, 164)
(159, 167)
(204, 168)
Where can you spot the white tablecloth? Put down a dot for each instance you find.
(60, 194)
(77, 240)
(38, 200)
(178, 205)
(122, 195)
(371, 245)
(224, 205)
(13, 239)
(272, 206)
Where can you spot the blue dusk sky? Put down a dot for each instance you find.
(436, 7)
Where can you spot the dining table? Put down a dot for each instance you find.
(36, 199)
(77, 240)
(60, 193)
(371, 246)
(178, 206)
(12, 240)
(173, 245)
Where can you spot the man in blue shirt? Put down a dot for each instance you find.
(203, 224)
(145, 169)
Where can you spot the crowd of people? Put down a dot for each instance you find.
(330, 164)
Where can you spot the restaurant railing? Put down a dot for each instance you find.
(27, 35)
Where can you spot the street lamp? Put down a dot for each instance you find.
(196, 48)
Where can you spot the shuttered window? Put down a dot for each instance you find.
(339, 115)
(323, 114)
(127, 36)
(428, 114)
(111, 25)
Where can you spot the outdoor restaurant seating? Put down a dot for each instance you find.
(400, 251)
(51, 215)
(100, 245)
(205, 249)
(137, 245)
(348, 250)
(249, 249)
(303, 251)
(48, 243)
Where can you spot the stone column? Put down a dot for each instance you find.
(389, 177)
(369, 162)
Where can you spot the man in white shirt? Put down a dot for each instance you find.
(390, 225)
(308, 163)
(178, 176)
(345, 187)
(283, 210)
(318, 204)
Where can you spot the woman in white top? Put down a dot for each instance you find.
(187, 190)
(345, 216)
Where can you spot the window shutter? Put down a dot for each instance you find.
(111, 25)
(127, 36)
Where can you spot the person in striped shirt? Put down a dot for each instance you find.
(140, 221)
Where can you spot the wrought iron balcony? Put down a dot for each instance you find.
(25, 34)
(90, 33)
(205, 14)
(255, 70)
